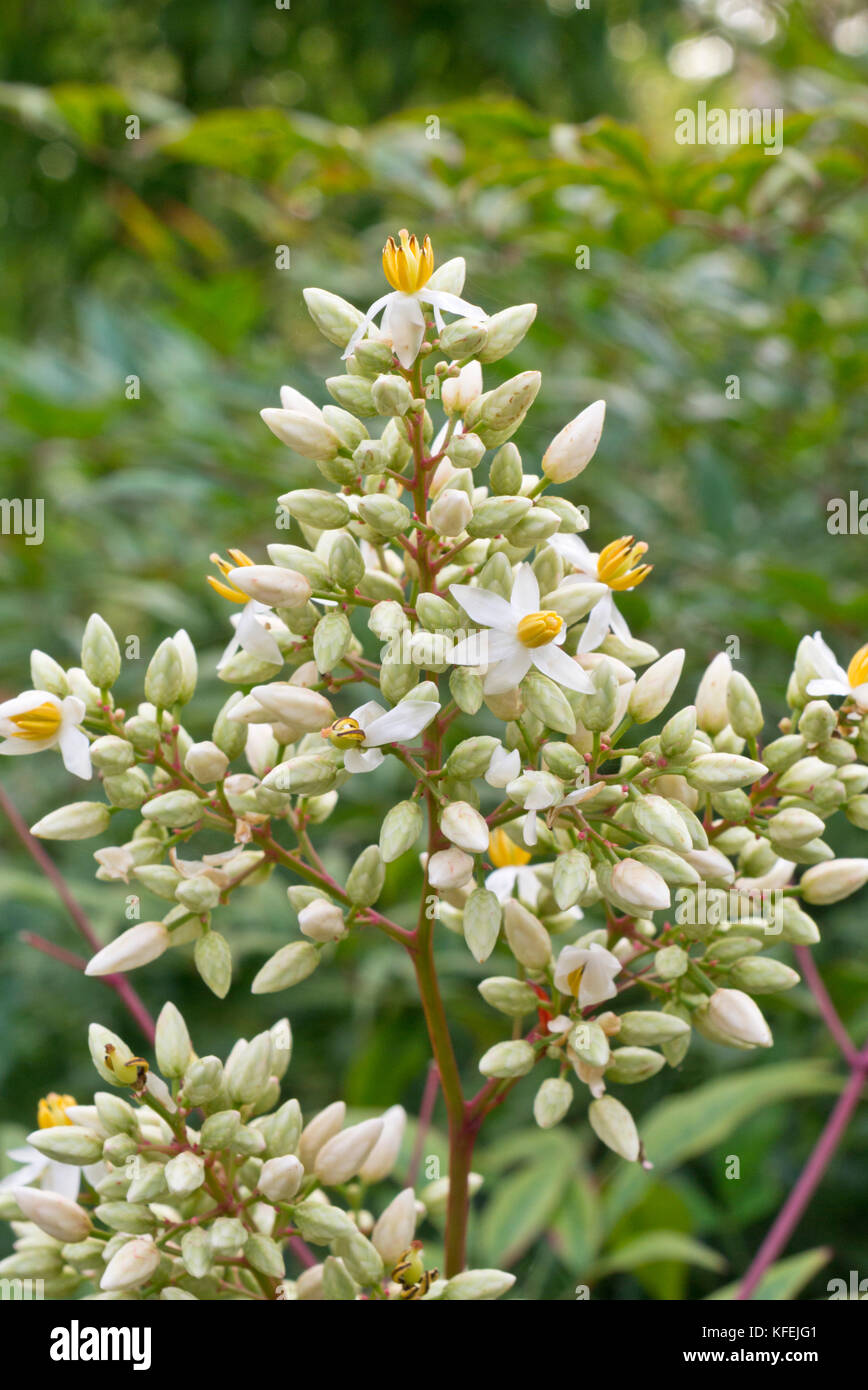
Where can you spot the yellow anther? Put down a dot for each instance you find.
(538, 629)
(504, 853)
(857, 671)
(407, 266)
(43, 721)
(237, 560)
(52, 1109)
(344, 733)
(617, 566)
(574, 979)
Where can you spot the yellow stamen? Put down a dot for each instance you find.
(615, 566)
(237, 560)
(345, 733)
(538, 629)
(407, 266)
(574, 979)
(857, 671)
(52, 1110)
(504, 853)
(42, 721)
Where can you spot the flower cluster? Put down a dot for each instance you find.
(435, 571)
(197, 1184)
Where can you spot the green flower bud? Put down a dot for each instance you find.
(337, 1283)
(803, 776)
(463, 338)
(164, 677)
(508, 1059)
(335, 318)
(471, 757)
(386, 515)
(227, 1237)
(466, 450)
(326, 511)
(176, 809)
(353, 393)
(645, 1027)
(798, 928)
(286, 967)
(574, 601)
(68, 1144)
(100, 653)
(784, 752)
(818, 721)
(590, 1043)
(346, 565)
(309, 774)
(794, 827)
(128, 791)
(670, 962)
(265, 1255)
(248, 1069)
(172, 1043)
(512, 997)
(366, 878)
(505, 331)
(437, 614)
(552, 1101)
(481, 923)
(213, 960)
(282, 1130)
(544, 698)
(331, 641)
(465, 687)
(497, 514)
(361, 1258)
(630, 1065)
(78, 821)
(48, 674)
(111, 754)
(661, 823)
(723, 771)
(598, 710)
(563, 760)
(570, 878)
(391, 395)
(535, 527)
(400, 830)
(203, 1080)
(505, 476)
(762, 975)
(198, 894)
(220, 1129)
(132, 1217)
(370, 358)
(614, 1126)
(678, 733)
(743, 706)
(196, 1252)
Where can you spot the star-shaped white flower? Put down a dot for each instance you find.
(408, 268)
(517, 636)
(613, 566)
(831, 678)
(378, 727)
(588, 973)
(36, 720)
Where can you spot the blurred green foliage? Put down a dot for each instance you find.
(515, 134)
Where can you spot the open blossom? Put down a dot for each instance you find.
(588, 973)
(518, 636)
(256, 625)
(38, 1169)
(408, 267)
(369, 727)
(511, 876)
(36, 720)
(832, 679)
(615, 566)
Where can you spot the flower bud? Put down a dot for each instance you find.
(528, 939)
(305, 775)
(320, 1129)
(366, 878)
(271, 584)
(177, 809)
(803, 776)
(712, 713)
(136, 946)
(678, 733)
(248, 1068)
(78, 821)
(206, 762)
(336, 319)
(386, 515)
(497, 514)
(647, 1027)
(341, 1157)
(451, 512)
(338, 1284)
(463, 338)
(185, 1173)
(497, 414)
(512, 997)
(661, 822)
(131, 1266)
(100, 653)
(400, 830)
(478, 1285)
(53, 1213)
(287, 967)
(395, 1228)
(457, 394)
(829, 883)
(48, 674)
(798, 928)
(308, 435)
(638, 888)
(505, 331)
(220, 1129)
(571, 451)
(361, 1258)
(353, 393)
(743, 706)
(552, 1101)
(630, 1065)
(383, 1156)
(713, 772)
(280, 1178)
(465, 827)
(614, 1126)
(391, 395)
(346, 566)
(671, 962)
(111, 754)
(164, 677)
(449, 868)
(213, 960)
(68, 1144)
(544, 698)
(570, 878)
(655, 687)
(762, 975)
(265, 1255)
(508, 1059)
(322, 921)
(116, 1115)
(203, 1081)
(326, 511)
(482, 918)
(736, 1018)
(792, 827)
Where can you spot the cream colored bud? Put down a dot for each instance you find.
(341, 1157)
(829, 883)
(465, 827)
(322, 921)
(721, 772)
(712, 714)
(528, 939)
(53, 1213)
(459, 392)
(136, 946)
(614, 1125)
(639, 887)
(381, 1160)
(271, 584)
(449, 868)
(451, 512)
(78, 821)
(287, 967)
(655, 687)
(280, 1178)
(307, 435)
(478, 1285)
(395, 1228)
(508, 1059)
(321, 1128)
(131, 1266)
(552, 1101)
(206, 762)
(736, 1016)
(571, 451)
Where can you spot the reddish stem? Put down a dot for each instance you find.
(426, 1110)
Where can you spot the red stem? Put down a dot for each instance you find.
(121, 986)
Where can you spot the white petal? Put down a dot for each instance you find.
(255, 638)
(357, 761)
(406, 720)
(525, 593)
(64, 1178)
(366, 714)
(618, 623)
(365, 324)
(529, 829)
(828, 687)
(825, 660)
(561, 668)
(75, 751)
(509, 672)
(574, 550)
(599, 621)
(484, 607)
(504, 767)
(442, 299)
(404, 323)
(528, 885)
(501, 882)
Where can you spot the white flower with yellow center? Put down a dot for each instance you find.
(37, 720)
(587, 973)
(615, 566)
(516, 636)
(364, 732)
(408, 267)
(46, 1173)
(831, 678)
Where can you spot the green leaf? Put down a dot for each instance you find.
(524, 1203)
(653, 1247)
(782, 1281)
(577, 1227)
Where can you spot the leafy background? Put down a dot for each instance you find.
(309, 128)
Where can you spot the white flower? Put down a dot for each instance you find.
(614, 567)
(36, 720)
(47, 1174)
(408, 268)
(588, 973)
(256, 623)
(831, 678)
(504, 767)
(378, 727)
(115, 862)
(517, 636)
